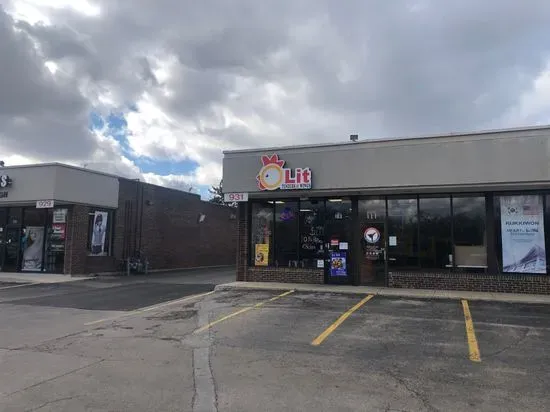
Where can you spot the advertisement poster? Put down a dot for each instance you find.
(338, 264)
(59, 215)
(32, 245)
(522, 228)
(98, 233)
(58, 231)
(261, 258)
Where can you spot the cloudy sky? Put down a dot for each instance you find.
(157, 89)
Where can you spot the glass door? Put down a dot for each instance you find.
(372, 218)
(337, 241)
(3, 221)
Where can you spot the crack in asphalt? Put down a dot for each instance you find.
(511, 346)
(53, 378)
(66, 398)
(417, 394)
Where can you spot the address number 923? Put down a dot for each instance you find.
(236, 197)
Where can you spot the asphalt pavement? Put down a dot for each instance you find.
(251, 350)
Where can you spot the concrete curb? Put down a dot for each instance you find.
(45, 281)
(390, 292)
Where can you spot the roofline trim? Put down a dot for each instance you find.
(391, 139)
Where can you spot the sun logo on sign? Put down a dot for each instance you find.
(271, 174)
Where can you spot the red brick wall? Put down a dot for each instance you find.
(171, 236)
(291, 275)
(471, 281)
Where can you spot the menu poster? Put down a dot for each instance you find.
(522, 233)
(338, 264)
(261, 257)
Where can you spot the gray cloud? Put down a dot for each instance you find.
(289, 72)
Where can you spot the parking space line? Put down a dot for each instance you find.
(248, 308)
(470, 333)
(149, 308)
(20, 285)
(319, 339)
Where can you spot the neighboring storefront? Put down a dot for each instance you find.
(467, 212)
(56, 218)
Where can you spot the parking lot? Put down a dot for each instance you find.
(262, 350)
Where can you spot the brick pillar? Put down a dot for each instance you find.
(76, 240)
(242, 241)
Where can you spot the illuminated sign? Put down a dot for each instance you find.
(273, 175)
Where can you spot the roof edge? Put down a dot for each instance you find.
(391, 139)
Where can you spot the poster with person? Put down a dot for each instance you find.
(98, 233)
(32, 246)
(522, 233)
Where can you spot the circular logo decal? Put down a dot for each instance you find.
(271, 176)
(371, 235)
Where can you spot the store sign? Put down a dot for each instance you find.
(5, 181)
(235, 197)
(522, 232)
(44, 204)
(273, 175)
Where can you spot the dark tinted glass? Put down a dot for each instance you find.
(286, 233)
(312, 231)
(403, 231)
(435, 233)
(261, 230)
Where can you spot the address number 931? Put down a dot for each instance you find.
(236, 197)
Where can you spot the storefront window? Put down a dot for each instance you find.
(32, 239)
(312, 232)
(470, 241)
(286, 233)
(403, 233)
(435, 233)
(99, 232)
(522, 234)
(261, 233)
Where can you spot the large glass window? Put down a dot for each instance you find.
(100, 223)
(403, 233)
(286, 233)
(261, 234)
(470, 240)
(312, 232)
(435, 232)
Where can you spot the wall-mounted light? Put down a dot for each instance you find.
(335, 200)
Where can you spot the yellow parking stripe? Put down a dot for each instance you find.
(231, 315)
(470, 333)
(319, 339)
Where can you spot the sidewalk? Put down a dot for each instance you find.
(396, 292)
(37, 278)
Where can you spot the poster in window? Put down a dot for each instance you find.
(338, 264)
(261, 257)
(522, 232)
(32, 246)
(98, 233)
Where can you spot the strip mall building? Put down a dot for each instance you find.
(61, 219)
(463, 212)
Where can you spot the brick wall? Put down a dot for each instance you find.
(161, 222)
(471, 281)
(291, 275)
(164, 224)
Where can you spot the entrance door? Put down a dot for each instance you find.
(372, 217)
(11, 249)
(337, 241)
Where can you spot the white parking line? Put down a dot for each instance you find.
(17, 286)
